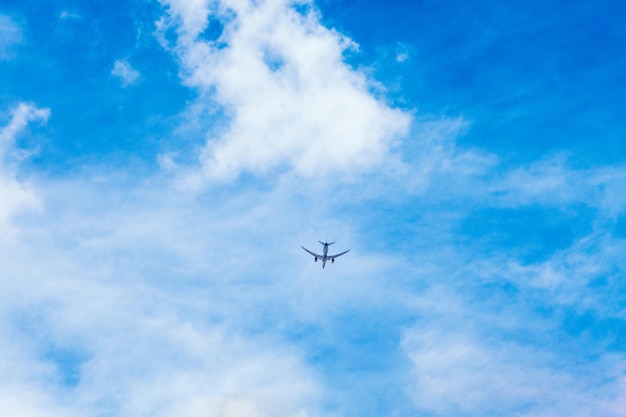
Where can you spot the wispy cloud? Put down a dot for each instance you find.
(125, 72)
(16, 195)
(70, 15)
(403, 52)
(457, 372)
(10, 35)
(93, 318)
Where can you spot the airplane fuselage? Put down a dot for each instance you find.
(325, 255)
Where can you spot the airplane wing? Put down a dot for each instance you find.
(331, 257)
(312, 253)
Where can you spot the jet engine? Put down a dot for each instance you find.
(332, 261)
(316, 259)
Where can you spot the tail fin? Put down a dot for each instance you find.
(325, 243)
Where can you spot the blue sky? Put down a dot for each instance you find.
(161, 162)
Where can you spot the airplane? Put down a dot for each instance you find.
(325, 257)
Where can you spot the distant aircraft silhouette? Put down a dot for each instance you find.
(325, 257)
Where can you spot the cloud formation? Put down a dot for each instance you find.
(458, 373)
(16, 195)
(125, 72)
(10, 35)
(82, 303)
(126, 297)
(292, 102)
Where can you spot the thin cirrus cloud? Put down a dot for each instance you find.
(125, 72)
(291, 101)
(476, 351)
(81, 305)
(10, 35)
(505, 376)
(16, 195)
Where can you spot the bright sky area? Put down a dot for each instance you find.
(161, 162)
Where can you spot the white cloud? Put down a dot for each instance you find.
(458, 373)
(20, 117)
(585, 276)
(111, 273)
(552, 182)
(403, 52)
(16, 195)
(70, 15)
(174, 305)
(125, 72)
(167, 161)
(10, 35)
(152, 303)
(292, 103)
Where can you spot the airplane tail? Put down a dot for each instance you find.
(326, 243)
